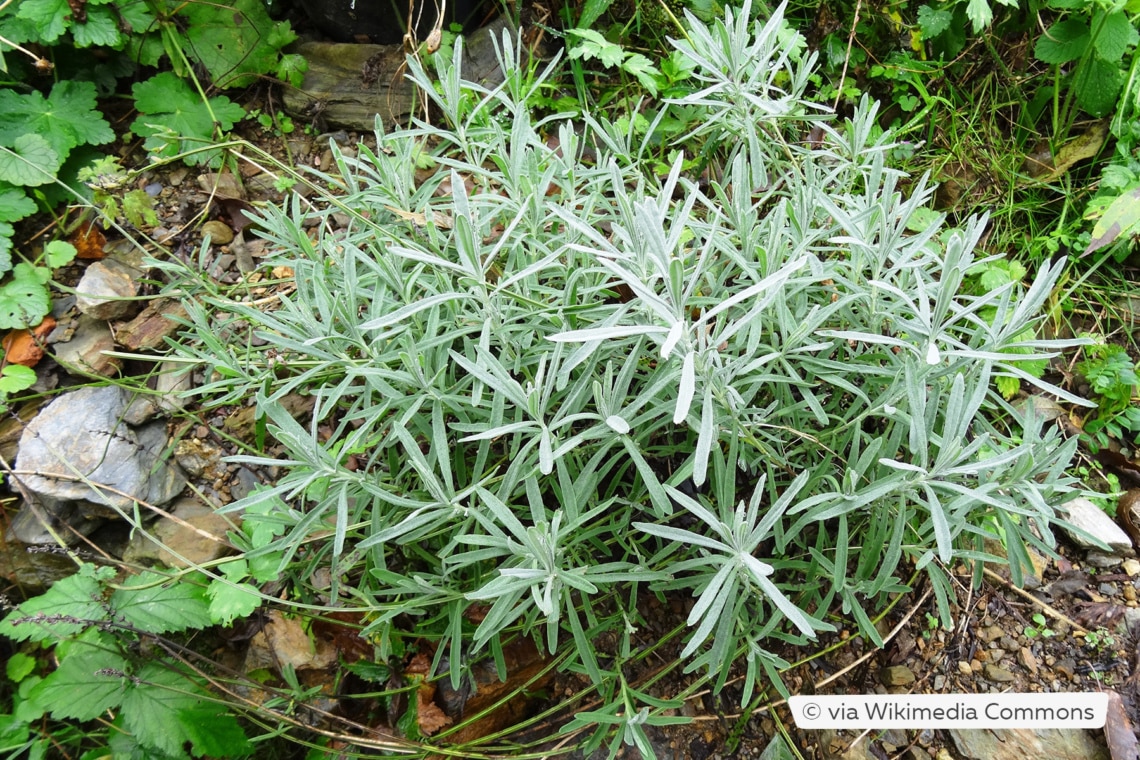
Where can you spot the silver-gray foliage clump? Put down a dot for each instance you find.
(563, 383)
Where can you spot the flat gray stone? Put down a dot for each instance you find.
(1088, 517)
(84, 351)
(1027, 744)
(81, 461)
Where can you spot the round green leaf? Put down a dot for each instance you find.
(30, 162)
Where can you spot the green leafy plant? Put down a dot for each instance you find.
(1039, 628)
(150, 707)
(1092, 40)
(591, 44)
(109, 182)
(541, 379)
(1100, 640)
(37, 135)
(177, 121)
(993, 275)
(1111, 375)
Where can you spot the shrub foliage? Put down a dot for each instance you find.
(546, 383)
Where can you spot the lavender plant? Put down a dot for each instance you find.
(552, 374)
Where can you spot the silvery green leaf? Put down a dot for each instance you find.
(785, 605)
(605, 333)
(706, 437)
(617, 424)
(545, 451)
(686, 389)
(675, 333)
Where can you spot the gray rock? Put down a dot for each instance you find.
(85, 351)
(1091, 519)
(103, 291)
(82, 463)
(1027, 744)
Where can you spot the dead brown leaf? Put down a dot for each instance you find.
(1118, 733)
(26, 346)
(89, 242)
(428, 714)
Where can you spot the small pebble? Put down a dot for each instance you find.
(1027, 660)
(153, 189)
(939, 683)
(991, 633)
(964, 668)
(1129, 592)
(1066, 667)
(1108, 589)
(976, 666)
(219, 232)
(896, 675)
(998, 675)
(1132, 567)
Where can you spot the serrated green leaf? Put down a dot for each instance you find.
(68, 607)
(642, 68)
(933, 22)
(1098, 84)
(235, 42)
(168, 105)
(101, 29)
(15, 204)
(212, 732)
(980, 14)
(592, 44)
(1116, 35)
(49, 16)
(1122, 217)
(1062, 42)
(90, 679)
(6, 233)
(138, 208)
(291, 69)
(16, 377)
(152, 706)
(66, 118)
(30, 161)
(229, 601)
(24, 299)
(149, 604)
